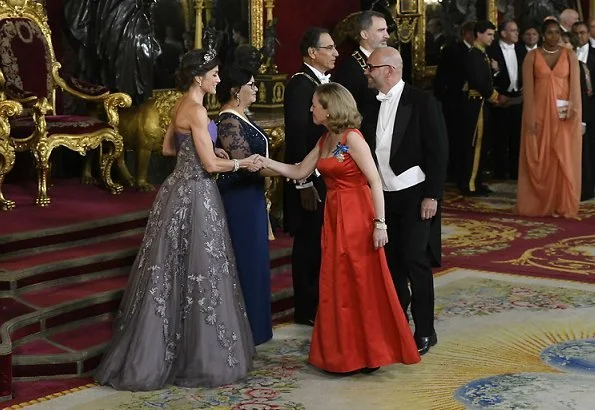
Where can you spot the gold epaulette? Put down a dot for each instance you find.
(360, 60)
(308, 76)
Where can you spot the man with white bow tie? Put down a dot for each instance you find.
(303, 202)
(407, 137)
(508, 81)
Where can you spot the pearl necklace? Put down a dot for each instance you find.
(550, 52)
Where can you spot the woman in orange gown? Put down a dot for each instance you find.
(360, 324)
(550, 158)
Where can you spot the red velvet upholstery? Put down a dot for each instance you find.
(26, 61)
(83, 86)
(57, 124)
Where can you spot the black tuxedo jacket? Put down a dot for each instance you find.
(301, 136)
(502, 78)
(351, 76)
(450, 73)
(419, 138)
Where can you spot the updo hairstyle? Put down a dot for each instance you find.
(194, 63)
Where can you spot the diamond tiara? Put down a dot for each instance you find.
(209, 56)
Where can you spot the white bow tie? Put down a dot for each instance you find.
(383, 97)
(325, 78)
(507, 46)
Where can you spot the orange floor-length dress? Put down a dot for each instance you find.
(550, 157)
(360, 322)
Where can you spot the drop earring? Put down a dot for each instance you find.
(238, 99)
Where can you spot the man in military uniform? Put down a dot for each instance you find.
(480, 94)
(303, 203)
(373, 33)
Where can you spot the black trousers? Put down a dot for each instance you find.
(588, 164)
(305, 264)
(506, 140)
(408, 256)
(474, 143)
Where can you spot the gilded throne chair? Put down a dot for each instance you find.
(30, 75)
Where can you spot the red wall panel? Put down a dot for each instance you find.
(294, 17)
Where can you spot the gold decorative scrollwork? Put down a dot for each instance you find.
(7, 152)
(406, 28)
(574, 255)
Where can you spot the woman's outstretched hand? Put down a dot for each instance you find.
(253, 163)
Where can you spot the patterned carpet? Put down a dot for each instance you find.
(515, 309)
(484, 233)
(505, 342)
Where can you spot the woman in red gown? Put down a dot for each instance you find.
(360, 324)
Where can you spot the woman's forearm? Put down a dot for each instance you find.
(377, 199)
(296, 172)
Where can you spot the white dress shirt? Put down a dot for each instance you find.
(512, 65)
(531, 48)
(323, 78)
(467, 44)
(384, 137)
(592, 41)
(583, 52)
(366, 52)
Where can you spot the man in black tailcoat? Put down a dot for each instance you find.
(303, 202)
(407, 137)
(508, 81)
(448, 88)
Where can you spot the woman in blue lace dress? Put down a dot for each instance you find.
(182, 319)
(243, 197)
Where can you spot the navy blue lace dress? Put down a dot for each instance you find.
(245, 206)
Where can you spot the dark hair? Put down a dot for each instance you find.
(364, 19)
(233, 76)
(468, 26)
(248, 57)
(482, 26)
(242, 28)
(529, 27)
(311, 38)
(549, 22)
(502, 26)
(580, 23)
(194, 63)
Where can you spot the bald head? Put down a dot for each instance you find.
(389, 56)
(568, 17)
(385, 68)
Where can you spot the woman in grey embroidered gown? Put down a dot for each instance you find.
(182, 319)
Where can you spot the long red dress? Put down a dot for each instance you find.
(360, 322)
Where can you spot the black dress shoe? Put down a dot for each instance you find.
(368, 370)
(424, 343)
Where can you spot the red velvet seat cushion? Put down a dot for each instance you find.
(58, 124)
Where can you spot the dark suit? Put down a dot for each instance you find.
(419, 139)
(588, 104)
(448, 88)
(351, 75)
(480, 93)
(301, 135)
(506, 120)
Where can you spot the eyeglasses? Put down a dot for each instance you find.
(330, 47)
(371, 67)
(251, 84)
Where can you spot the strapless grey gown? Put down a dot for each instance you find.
(182, 319)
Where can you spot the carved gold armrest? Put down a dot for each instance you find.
(12, 92)
(8, 109)
(111, 101)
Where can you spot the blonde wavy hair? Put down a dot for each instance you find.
(341, 107)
